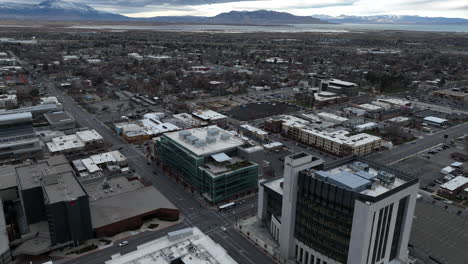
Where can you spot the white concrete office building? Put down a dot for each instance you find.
(352, 211)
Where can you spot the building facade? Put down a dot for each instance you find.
(208, 160)
(351, 211)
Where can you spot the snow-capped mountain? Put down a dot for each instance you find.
(259, 17)
(392, 19)
(55, 10)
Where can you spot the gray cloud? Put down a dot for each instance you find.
(143, 3)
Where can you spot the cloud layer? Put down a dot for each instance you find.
(147, 8)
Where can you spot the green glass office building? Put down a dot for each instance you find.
(208, 160)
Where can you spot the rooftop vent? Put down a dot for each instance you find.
(200, 143)
(210, 139)
(225, 136)
(184, 134)
(358, 166)
(213, 131)
(192, 139)
(386, 177)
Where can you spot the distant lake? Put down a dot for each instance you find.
(286, 28)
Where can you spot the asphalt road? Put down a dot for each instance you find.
(406, 150)
(196, 214)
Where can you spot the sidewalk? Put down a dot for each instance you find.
(258, 234)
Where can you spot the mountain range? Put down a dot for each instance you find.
(63, 10)
(392, 19)
(55, 10)
(259, 17)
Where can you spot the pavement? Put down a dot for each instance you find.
(406, 150)
(442, 236)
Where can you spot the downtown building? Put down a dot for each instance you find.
(352, 211)
(213, 162)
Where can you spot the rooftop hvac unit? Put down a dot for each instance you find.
(210, 139)
(358, 166)
(200, 143)
(225, 136)
(192, 139)
(386, 177)
(213, 131)
(184, 134)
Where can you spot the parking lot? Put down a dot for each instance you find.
(428, 164)
(261, 110)
(440, 235)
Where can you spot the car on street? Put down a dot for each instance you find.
(123, 243)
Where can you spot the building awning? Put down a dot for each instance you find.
(220, 157)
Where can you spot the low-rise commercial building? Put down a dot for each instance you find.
(209, 160)
(454, 186)
(188, 245)
(60, 120)
(253, 131)
(211, 117)
(81, 140)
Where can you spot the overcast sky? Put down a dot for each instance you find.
(147, 8)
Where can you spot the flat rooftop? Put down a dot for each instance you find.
(54, 175)
(57, 117)
(208, 115)
(223, 140)
(189, 246)
(254, 129)
(113, 186)
(342, 137)
(362, 177)
(126, 205)
(275, 185)
(7, 177)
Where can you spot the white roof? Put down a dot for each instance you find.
(273, 145)
(255, 130)
(455, 183)
(290, 120)
(90, 165)
(221, 157)
(399, 119)
(210, 148)
(456, 164)
(366, 126)
(208, 115)
(343, 83)
(189, 245)
(435, 119)
(333, 117)
(395, 101)
(118, 156)
(341, 137)
(89, 135)
(63, 143)
(187, 118)
(155, 127)
(103, 158)
(370, 107)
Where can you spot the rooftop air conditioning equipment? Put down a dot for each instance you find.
(386, 177)
(225, 136)
(210, 139)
